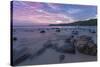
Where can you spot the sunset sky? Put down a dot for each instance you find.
(37, 13)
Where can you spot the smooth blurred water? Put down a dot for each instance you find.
(32, 40)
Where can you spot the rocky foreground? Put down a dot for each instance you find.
(60, 43)
(84, 44)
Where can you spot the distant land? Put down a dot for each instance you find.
(91, 22)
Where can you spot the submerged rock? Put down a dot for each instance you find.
(61, 58)
(86, 45)
(61, 46)
(67, 49)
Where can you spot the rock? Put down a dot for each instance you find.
(20, 59)
(15, 38)
(84, 38)
(61, 46)
(67, 49)
(93, 48)
(20, 56)
(61, 58)
(69, 39)
(92, 31)
(85, 45)
(42, 31)
(75, 32)
(58, 30)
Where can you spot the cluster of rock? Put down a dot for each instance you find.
(61, 45)
(20, 55)
(85, 45)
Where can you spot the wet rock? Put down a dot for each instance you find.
(42, 31)
(84, 38)
(15, 39)
(86, 45)
(67, 49)
(61, 46)
(92, 31)
(75, 32)
(69, 39)
(21, 59)
(20, 55)
(58, 30)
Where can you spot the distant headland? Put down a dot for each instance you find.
(91, 22)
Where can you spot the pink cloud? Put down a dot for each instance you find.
(32, 12)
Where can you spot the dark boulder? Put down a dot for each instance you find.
(42, 31)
